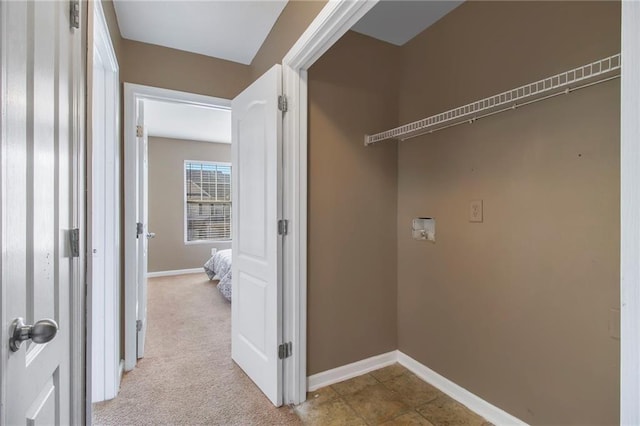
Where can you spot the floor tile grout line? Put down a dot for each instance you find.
(404, 399)
(411, 407)
(380, 382)
(353, 409)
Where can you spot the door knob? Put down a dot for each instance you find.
(42, 331)
(151, 234)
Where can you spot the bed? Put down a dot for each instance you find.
(219, 268)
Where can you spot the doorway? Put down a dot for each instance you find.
(135, 208)
(183, 195)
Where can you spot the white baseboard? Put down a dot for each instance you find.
(476, 404)
(349, 371)
(175, 272)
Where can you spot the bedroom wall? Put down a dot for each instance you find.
(292, 22)
(515, 309)
(167, 251)
(352, 204)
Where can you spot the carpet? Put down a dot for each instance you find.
(187, 376)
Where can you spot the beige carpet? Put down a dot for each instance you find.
(187, 376)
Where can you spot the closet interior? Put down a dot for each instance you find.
(514, 172)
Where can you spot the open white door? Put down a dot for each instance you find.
(38, 269)
(143, 232)
(256, 194)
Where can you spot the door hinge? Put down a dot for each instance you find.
(139, 229)
(74, 13)
(139, 131)
(283, 227)
(75, 242)
(138, 325)
(283, 104)
(285, 350)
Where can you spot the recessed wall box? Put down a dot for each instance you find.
(424, 228)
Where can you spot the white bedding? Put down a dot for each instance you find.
(219, 268)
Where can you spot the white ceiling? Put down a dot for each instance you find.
(231, 30)
(183, 121)
(398, 21)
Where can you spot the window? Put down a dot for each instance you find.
(208, 201)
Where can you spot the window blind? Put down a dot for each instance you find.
(208, 201)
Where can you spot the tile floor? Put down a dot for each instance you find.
(389, 396)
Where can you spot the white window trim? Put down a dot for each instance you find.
(184, 204)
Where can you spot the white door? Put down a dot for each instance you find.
(144, 234)
(257, 247)
(37, 214)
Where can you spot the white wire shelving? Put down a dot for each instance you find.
(566, 82)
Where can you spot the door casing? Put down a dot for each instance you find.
(630, 215)
(103, 378)
(333, 21)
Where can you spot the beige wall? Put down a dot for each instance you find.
(352, 204)
(514, 309)
(167, 251)
(293, 21)
(159, 66)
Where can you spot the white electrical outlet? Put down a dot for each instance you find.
(213, 251)
(475, 211)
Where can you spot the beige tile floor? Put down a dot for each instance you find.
(389, 396)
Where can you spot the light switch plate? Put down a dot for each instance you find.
(475, 211)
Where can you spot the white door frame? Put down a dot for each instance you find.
(630, 215)
(132, 94)
(80, 404)
(332, 22)
(103, 337)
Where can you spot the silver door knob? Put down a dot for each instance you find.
(151, 234)
(41, 332)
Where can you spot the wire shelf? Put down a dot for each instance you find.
(583, 76)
